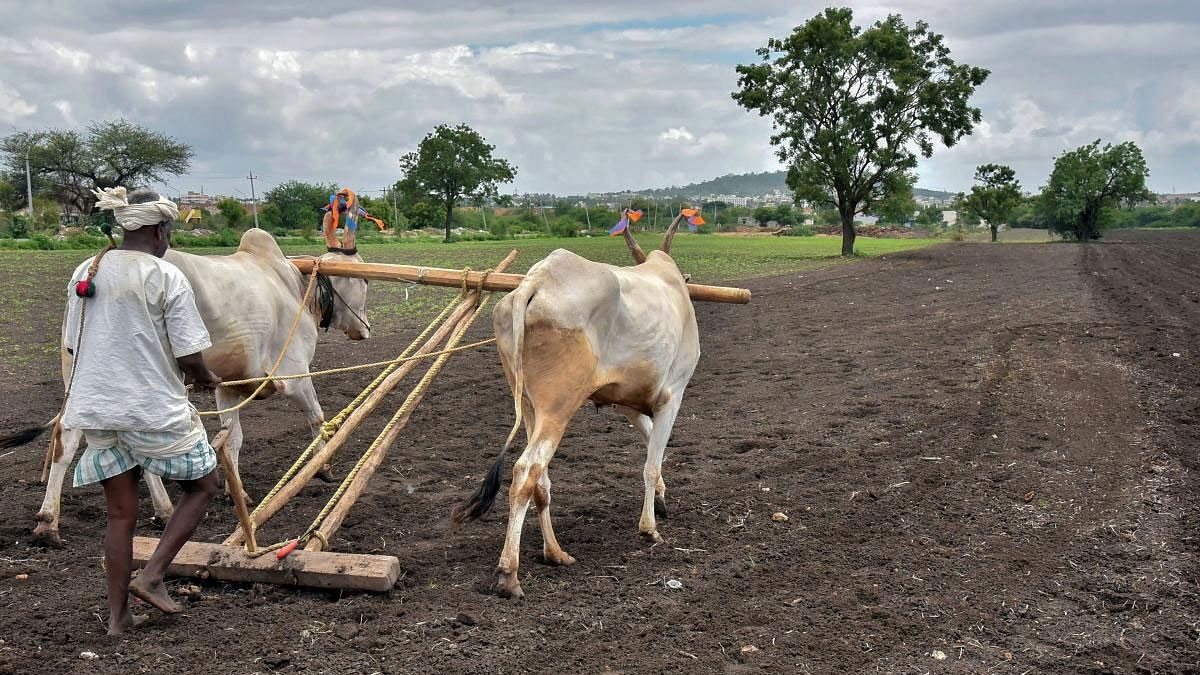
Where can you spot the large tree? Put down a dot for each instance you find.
(994, 196)
(850, 106)
(1088, 182)
(898, 205)
(69, 163)
(452, 163)
(297, 205)
(232, 211)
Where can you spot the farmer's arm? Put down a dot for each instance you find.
(187, 334)
(197, 372)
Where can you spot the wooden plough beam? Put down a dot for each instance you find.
(495, 281)
(311, 566)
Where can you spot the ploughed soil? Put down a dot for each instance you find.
(987, 455)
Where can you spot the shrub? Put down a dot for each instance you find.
(225, 237)
(797, 231)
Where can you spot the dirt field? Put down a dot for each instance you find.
(987, 453)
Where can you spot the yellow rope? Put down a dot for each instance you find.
(312, 282)
(406, 407)
(331, 426)
(364, 366)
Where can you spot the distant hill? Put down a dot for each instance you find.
(751, 185)
(932, 194)
(743, 184)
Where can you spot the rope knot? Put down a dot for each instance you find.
(463, 280)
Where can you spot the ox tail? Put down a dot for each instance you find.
(25, 435)
(481, 501)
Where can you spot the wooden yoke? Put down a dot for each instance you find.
(496, 281)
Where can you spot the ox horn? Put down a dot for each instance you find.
(666, 245)
(639, 256)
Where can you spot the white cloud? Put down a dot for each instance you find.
(581, 96)
(64, 107)
(277, 65)
(12, 106)
(64, 56)
(677, 134)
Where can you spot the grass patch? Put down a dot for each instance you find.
(35, 282)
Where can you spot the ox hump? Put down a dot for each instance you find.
(259, 243)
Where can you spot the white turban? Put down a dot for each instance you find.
(133, 216)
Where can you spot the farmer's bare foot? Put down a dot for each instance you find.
(122, 623)
(155, 594)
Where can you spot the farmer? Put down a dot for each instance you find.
(140, 328)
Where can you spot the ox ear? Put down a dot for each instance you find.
(639, 256)
(666, 245)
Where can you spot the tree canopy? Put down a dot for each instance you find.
(295, 205)
(995, 195)
(69, 163)
(1088, 183)
(232, 211)
(849, 106)
(449, 164)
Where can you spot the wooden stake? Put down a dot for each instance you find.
(335, 442)
(496, 281)
(234, 482)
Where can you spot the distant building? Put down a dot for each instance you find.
(949, 217)
(747, 221)
(1178, 198)
(197, 200)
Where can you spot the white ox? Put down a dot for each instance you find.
(576, 330)
(248, 301)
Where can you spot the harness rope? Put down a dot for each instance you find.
(363, 366)
(56, 435)
(403, 358)
(405, 408)
(312, 282)
(330, 427)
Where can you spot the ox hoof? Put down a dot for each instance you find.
(507, 586)
(559, 557)
(653, 537)
(46, 535)
(326, 474)
(660, 507)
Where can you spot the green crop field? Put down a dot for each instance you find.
(394, 306)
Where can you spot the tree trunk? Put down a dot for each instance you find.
(449, 217)
(848, 233)
(995, 231)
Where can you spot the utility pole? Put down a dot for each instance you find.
(483, 211)
(253, 198)
(28, 188)
(395, 211)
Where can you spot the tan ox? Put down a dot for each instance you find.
(248, 301)
(576, 330)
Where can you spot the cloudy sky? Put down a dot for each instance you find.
(582, 96)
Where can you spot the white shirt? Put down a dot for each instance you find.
(142, 316)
